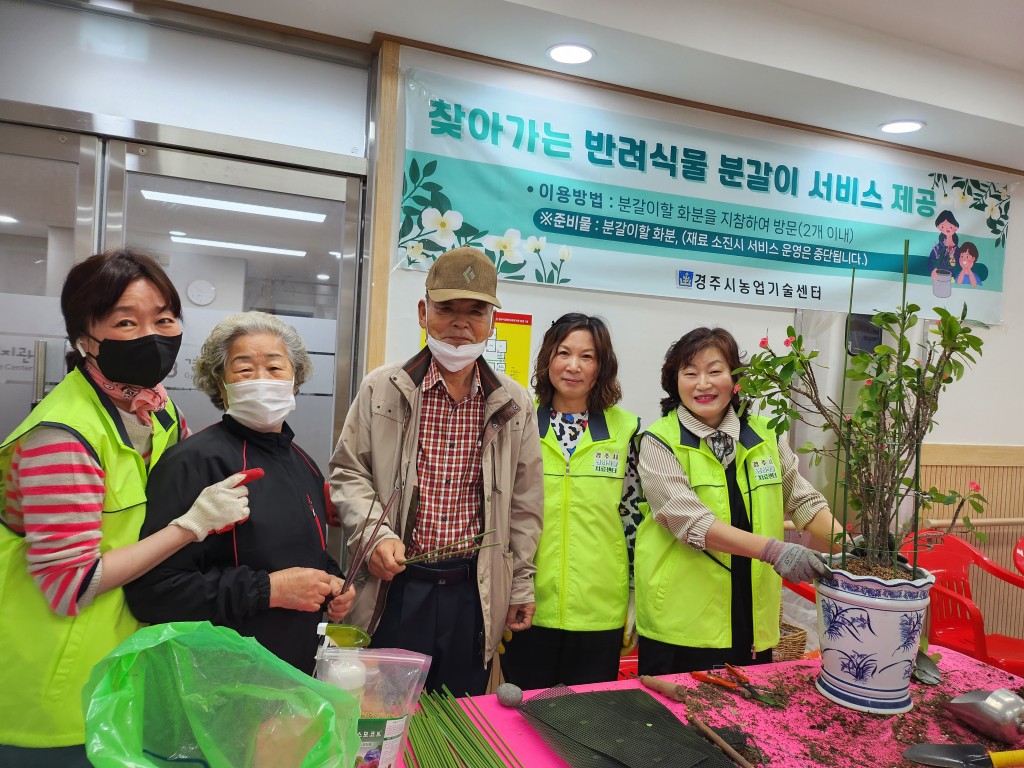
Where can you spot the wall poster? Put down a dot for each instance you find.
(569, 195)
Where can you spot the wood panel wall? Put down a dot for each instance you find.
(1000, 472)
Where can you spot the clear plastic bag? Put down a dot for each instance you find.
(387, 682)
(194, 693)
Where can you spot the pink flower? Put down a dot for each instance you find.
(974, 486)
(764, 342)
(788, 341)
(867, 383)
(736, 389)
(847, 417)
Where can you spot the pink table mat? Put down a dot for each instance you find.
(811, 732)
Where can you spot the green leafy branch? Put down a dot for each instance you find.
(988, 196)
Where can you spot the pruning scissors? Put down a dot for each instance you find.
(735, 680)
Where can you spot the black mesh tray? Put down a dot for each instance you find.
(611, 729)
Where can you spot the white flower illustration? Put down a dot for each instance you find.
(565, 253)
(414, 252)
(962, 198)
(506, 245)
(441, 229)
(535, 244)
(991, 207)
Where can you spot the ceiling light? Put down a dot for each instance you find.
(227, 205)
(323, 276)
(902, 126)
(176, 233)
(236, 246)
(5, 219)
(570, 54)
(335, 254)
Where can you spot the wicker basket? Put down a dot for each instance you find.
(792, 641)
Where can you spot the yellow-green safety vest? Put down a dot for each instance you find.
(47, 658)
(683, 597)
(582, 579)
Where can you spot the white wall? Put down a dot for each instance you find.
(102, 65)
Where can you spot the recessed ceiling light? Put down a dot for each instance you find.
(5, 219)
(176, 233)
(236, 246)
(227, 205)
(570, 54)
(902, 126)
(322, 276)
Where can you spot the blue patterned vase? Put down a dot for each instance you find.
(870, 630)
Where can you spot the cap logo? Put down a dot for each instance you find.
(469, 275)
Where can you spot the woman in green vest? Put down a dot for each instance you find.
(710, 553)
(72, 500)
(591, 509)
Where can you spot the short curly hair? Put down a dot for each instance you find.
(208, 369)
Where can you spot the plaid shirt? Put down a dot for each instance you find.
(448, 465)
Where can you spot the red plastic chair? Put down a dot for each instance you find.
(1018, 554)
(956, 621)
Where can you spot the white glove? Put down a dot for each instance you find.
(219, 507)
(629, 637)
(794, 562)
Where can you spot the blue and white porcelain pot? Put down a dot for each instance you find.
(870, 631)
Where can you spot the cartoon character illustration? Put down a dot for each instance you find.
(971, 273)
(946, 252)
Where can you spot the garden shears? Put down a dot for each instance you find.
(735, 680)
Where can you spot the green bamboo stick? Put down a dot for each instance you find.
(461, 552)
(429, 745)
(472, 728)
(505, 751)
(467, 740)
(431, 553)
(462, 743)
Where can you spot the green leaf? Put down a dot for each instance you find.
(563, 280)
(538, 275)
(414, 172)
(440, 201)
(430, 186)
(406, 229)
(421, 200)
(429, 168)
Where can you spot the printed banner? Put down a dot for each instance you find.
(508, 348)
(564, 194)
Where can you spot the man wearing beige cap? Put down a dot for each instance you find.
(456, 444)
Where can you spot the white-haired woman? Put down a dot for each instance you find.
(271, 578)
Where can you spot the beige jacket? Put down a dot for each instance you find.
(377, 453)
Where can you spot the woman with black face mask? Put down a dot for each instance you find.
(73, 498)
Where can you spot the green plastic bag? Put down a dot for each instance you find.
(195, 694)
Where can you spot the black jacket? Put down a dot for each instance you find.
(225, 579)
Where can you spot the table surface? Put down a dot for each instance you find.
(811, 732)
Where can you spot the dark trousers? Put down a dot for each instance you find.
(657, 658)
(434, 608)
(541, 657)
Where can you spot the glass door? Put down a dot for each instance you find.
(48, 185)
(236, 236)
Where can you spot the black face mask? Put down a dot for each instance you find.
(144, 361)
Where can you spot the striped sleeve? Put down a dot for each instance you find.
(56, 494)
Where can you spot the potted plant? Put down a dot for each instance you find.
(867, 658)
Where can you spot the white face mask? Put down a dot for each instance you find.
(260, 404)
(453, 358)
